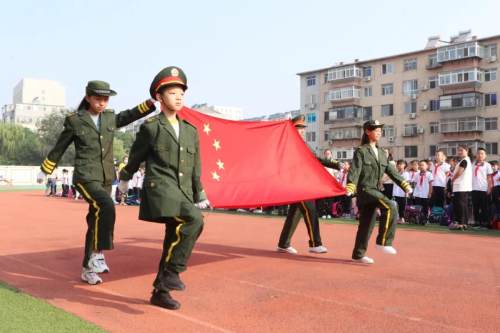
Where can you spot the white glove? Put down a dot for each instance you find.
(410, 191)
(204, 204)
(123, 186)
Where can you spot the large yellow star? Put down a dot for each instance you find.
(207, 129)
(215, 176)
(216, 144)
(220, 164)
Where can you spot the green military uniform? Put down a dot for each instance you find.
(172, 182)
(306, 209)
(364, 177)
(94, 169)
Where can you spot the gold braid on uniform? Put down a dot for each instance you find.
(405, 186)
(48, 166)
(145, 106)
(351, 188)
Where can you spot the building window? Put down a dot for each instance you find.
(490, 50)
(410, 130)
(490, 74)
(343, 112)
(343, 73)
(490, 99)
(434, 105)
(311, 136)
(311, 80)
(433, 80)
(432, 150)
(311, 117)
(491, 124)
(460, 76)
(458, 51)
(344, 93)
(387, 89)
(410, 64)
(457, 101)
(388, 131)
(491, 148)
(367, 113)
(387, 110)
(434, 127)
(432, 60)
(327, 135)
(368, 91)
(367, 71)
(387, 69)
(341, 155)
(411, 107)
(411, 151)
(410, 87)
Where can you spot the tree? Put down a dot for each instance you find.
(18, 146)
(127, 139)
(48, 131)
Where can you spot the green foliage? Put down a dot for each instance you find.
(48, 132)
(18, 146)
(127, 139)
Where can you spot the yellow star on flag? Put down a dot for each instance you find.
(220, 164)
(215, 176)
(207, 129)
(216, 144)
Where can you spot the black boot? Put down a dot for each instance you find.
(164, 300)
(171, 280)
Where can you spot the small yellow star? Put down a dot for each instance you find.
(207, 129)
(216, 144)
(220, 164)
(215, 176)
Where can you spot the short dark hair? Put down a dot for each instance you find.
(481, 148)
(399, 162)
(494, 162)
(425, 161)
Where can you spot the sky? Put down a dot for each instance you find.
(235, 53)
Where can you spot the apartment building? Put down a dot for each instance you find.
(435, 98)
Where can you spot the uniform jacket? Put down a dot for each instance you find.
(367, 171)
(173, 168)
(93, 146)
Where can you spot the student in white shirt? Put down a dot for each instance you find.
(397, 192)
(440, 173)
(481, 189)
(412, 171)
(423, 188)
(495, 194)
(462, 186)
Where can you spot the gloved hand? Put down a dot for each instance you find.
(409, 191)
(123, 186)
(204, 204)
(41, 177)
(350, 189)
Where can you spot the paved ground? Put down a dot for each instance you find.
(237, 283)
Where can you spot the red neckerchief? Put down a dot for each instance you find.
(436, 168)
(422, 175)
(478, 165)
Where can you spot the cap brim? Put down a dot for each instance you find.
(104, 92)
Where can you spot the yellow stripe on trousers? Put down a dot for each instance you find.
(97, 210)
(308, 221)
(386, 221)
(177, 233)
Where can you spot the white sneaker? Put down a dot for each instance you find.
(365, 260)
(91, 277)
(323, 217)
(289, 249)
(387, 249)
(329, 216)
(97, 263)
(318, 249)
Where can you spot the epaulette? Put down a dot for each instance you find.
(71, 114)
(152, 119)
(109, 110)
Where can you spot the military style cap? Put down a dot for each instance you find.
(299, 121)
(372, 124)
(168, 76)
(99, 88)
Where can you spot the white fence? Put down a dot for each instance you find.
(25, 175)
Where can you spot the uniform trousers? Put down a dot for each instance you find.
(480, 208)
(308, 210)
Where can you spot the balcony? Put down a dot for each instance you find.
(343, 74)
(344, 114)
(432, 62)
(412, 131)
(349, 133)
(450, 148)
(465, 78)
(460, 101)
(462, 125)
(459, 52)
(346, 94)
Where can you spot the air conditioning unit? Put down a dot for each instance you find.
(420, 130)
(493, 58)
(312, 106)
(368, 78)
(425, 87)
(413, 96)
(413, 115)
(424, 107)
(390, 139)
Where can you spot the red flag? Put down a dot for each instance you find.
(257, 163)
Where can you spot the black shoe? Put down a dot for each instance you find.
(172, 281)
(164, 300)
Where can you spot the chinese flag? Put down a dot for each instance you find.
(257, 163)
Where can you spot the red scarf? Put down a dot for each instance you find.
(422, 175)
(436, 169)
(478, 165)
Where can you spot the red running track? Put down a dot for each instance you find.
(236, 282)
